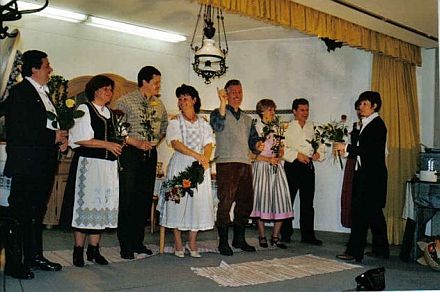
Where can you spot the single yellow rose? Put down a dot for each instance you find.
(70, 102)
(154, 103)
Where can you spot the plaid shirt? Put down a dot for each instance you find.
(131, 105)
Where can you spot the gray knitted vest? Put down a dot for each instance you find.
(232, 142)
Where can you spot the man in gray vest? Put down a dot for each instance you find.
(235, 137)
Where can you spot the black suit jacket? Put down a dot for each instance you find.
(30, 148)
(372, 175)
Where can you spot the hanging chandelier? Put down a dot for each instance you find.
(210, 60)
(10, 12)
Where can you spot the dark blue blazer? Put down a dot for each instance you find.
(31, 149)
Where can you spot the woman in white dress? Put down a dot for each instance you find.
(271, 190)
(191, 138)
(93, 177)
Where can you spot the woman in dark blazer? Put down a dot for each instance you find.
(370, 181)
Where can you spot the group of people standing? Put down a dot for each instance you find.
(111, 184)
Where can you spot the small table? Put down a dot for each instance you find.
(421, 204)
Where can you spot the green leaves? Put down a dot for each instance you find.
(183, 183)
(65, 107)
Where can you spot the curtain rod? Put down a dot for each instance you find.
(384, 19)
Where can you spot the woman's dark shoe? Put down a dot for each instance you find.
(275, 240)
(78, 256)
(93, 254)
(262, 241)
(345, 257)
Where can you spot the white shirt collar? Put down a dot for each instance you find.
(367, 120)
(38, 86)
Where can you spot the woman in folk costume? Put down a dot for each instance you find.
(272, 199)
(191, 138)
(93, 176)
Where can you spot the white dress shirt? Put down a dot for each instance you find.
(296, 141)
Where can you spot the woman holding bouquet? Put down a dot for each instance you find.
(191, 138)
(271, 190)
(93, 178)
(369, 182)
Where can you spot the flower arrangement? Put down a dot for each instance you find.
(184, 182)
(121, 126)
(277, 128)
(334, 132)
(66, 114)
(317, 140)
(148, 117)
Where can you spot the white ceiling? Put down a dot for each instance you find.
(180, 16)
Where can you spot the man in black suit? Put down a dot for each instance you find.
(32, 149)
(370, 181)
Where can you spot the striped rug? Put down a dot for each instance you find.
(266, 271)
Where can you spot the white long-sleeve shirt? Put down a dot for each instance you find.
(296, 141)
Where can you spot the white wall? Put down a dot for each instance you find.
(277, 69)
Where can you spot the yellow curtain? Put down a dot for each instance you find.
(396, 83)
(314, 22)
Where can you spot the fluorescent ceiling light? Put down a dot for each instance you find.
(55, 13)
(134, 29)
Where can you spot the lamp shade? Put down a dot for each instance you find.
(209, 49)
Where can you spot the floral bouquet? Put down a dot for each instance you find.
(66, 114)
(334, 132)
(316, 141)
(121, 126)
(148, 117)
(277, 129)
(184, 182)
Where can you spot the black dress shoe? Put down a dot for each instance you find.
(143, 250)
(312, 241)
(225, 249)
(22, 274)
(41, 263)
(377, 255)
(286, 239)
(244, 246)
(127, 255)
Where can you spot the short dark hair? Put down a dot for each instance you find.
(191, 91)
(232, 82)
(373, 97)
(147, 73)
(32, 59)
(298, 101)
(357, 103)
(96, 83)
(263, 105)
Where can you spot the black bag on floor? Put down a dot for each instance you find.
(371, 280)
